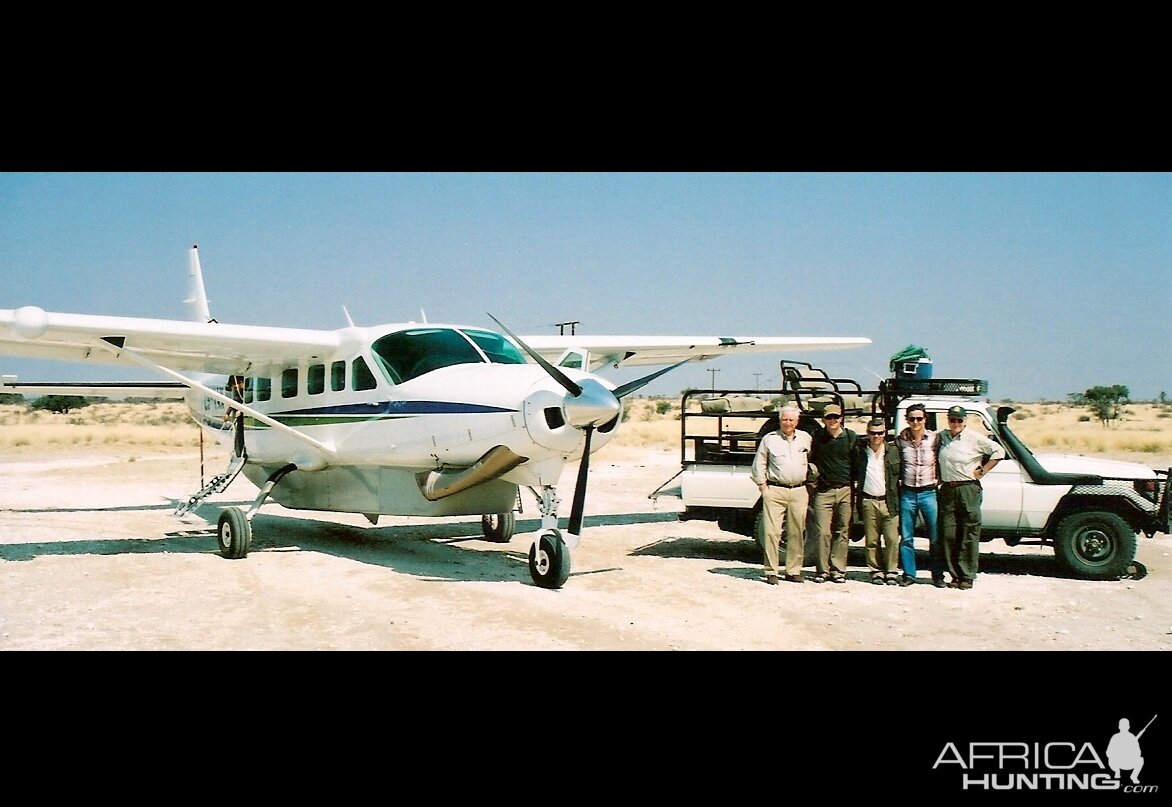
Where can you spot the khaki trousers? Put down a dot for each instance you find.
(831, 525)
(880, 526)
(785, 508)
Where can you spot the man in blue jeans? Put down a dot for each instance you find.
(919, 476)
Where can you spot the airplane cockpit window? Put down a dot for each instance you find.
(361, 378)
(498, 349)
(408, 354)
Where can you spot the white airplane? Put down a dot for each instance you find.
(413, 419)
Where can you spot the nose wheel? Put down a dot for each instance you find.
(549, 560)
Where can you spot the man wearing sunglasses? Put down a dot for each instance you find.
(917, 494)
(966, 457)
(830, 452)
(875, 476)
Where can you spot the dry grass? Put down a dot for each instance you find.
(1143, 429)
(155, 427)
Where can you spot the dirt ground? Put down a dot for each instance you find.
(92, 558)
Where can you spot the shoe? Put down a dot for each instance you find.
(794, 578)
(965, 585)
(893, 581)
(877, 579)
(938, 582)
(954, 584)
(907, 581)
(771, 580)
(839, 579)
(819, 578)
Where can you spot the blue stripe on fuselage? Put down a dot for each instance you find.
(396, 408)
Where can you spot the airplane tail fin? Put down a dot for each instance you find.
(197, 298)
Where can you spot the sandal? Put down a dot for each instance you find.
(819, 578)
(877, 579)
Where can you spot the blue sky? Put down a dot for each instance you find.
(1042, 283)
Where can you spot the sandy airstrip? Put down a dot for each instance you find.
(92, 558)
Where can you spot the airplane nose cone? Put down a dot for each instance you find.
(596, 405)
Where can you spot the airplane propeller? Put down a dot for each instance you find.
(592, 404)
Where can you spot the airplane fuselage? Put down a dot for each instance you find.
(384, 434)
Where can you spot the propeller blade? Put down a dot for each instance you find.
(638, 383)
(579, 505)
(554, 372)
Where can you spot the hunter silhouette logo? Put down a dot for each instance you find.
(1123, 753)
(1051, 765)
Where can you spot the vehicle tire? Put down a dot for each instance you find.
(1095, 545)
(233, 533)
(498, 527)
(549, 560)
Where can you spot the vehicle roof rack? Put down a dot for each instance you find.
(934, 386)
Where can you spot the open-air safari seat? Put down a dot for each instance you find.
(814, 390)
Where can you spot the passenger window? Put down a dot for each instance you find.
(264, 388)
(315, 379)
(289, 382)
(248, 390)
(338, 376)
(361, 378)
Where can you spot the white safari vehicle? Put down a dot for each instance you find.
(1090, 510)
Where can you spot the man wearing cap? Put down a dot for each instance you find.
(830, 451)
(875, 475)
(779, 471)
(966, 457)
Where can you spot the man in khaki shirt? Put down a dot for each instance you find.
(779, 471)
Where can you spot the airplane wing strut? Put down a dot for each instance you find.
(117, 350)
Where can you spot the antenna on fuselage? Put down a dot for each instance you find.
(349, 320)
(197, 298)
(422, 315)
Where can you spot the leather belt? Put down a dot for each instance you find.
(920, 489)
(869, 496)
(824, 488)
(961, 482)
(773, 484)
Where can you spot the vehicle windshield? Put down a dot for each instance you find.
(498, 349)
(405, 355)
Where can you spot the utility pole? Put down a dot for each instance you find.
(714, 372)
(757, 380)
(562, 327)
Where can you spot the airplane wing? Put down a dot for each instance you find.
(626, 351)
(208, 347)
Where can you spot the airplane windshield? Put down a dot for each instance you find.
(498, 349)
(408, 354)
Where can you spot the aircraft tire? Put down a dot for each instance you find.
(233, 533)
(498, 527)
(549, 560)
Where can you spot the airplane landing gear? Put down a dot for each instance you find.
(233, 533)
(549, 560)
(498, 527)
(234, 529)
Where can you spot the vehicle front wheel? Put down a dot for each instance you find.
(1095, 545)
(549, 560)
(233, 533)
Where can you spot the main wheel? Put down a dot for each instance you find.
(498, 527)
(234, 533)
(549, 560)
(1095, 545)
